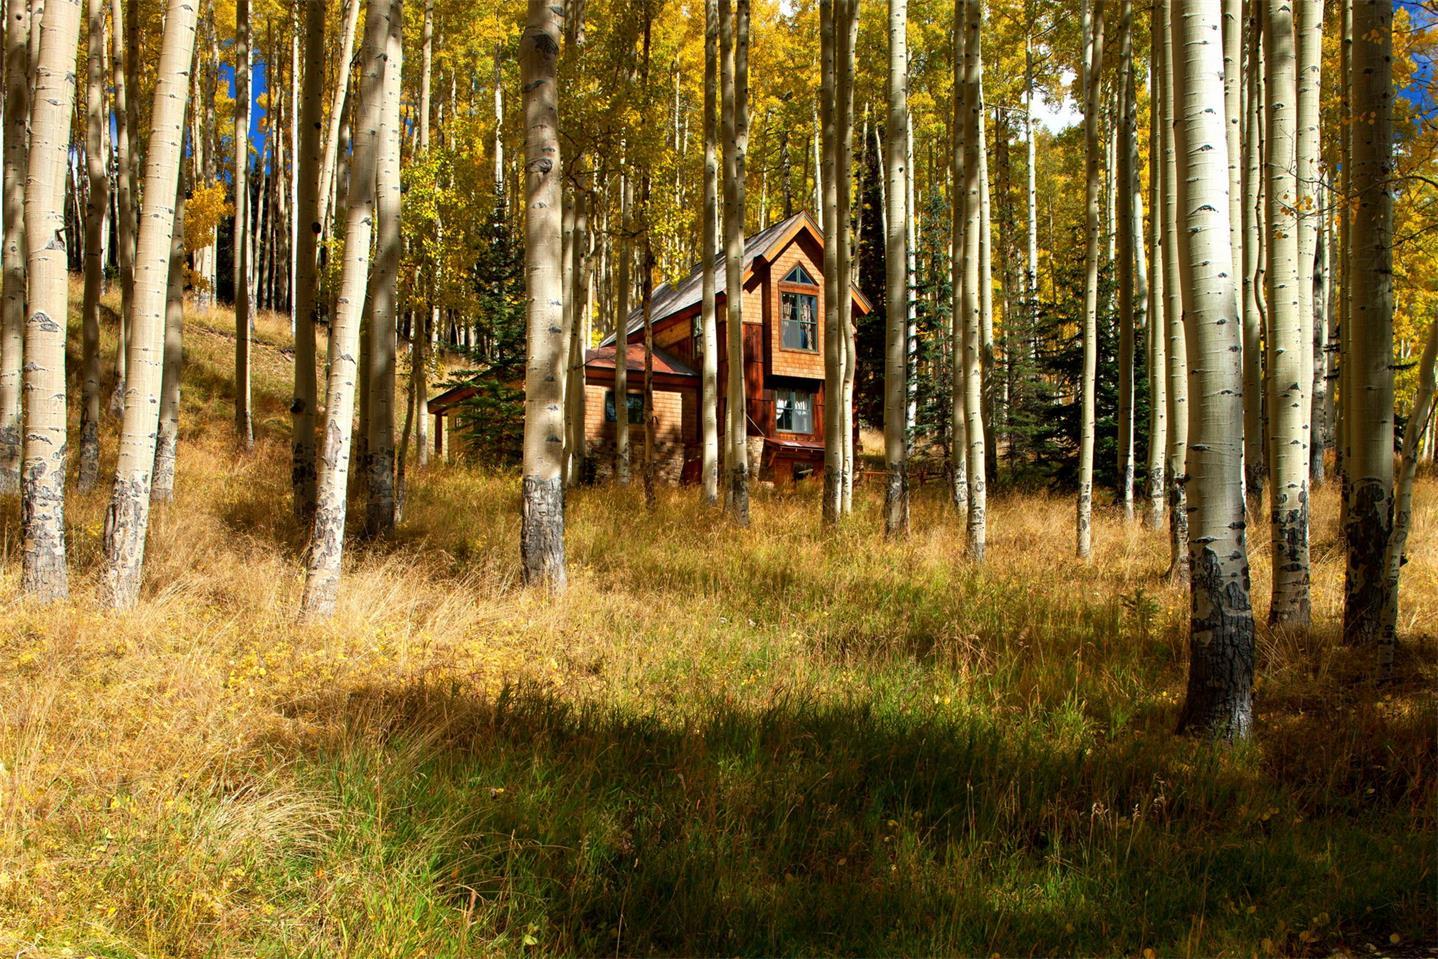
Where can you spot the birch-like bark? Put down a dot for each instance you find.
(99, 201)
(578, 339)
(958, 415)
(1031, 278)
(128, 517)
(1232, 30)
(896, 260)
(827, 181)
(326, 549)
(846, 38)
(734, 44)
(244, 420)
(1127, 240)
(384, 292)
(12, 312)
(1367, 597)
(1419, 426)
(988, 384)
(1287, 386)
(709, 240)
(42, 470)
(1255, 450)
(330, 166)
(974, 426)
(621, 340)
(541, 535)
(167, 439)
(1219, 700)
(1157, 353)
(1177, 352)
(305, 403)
(1309, 203)
(125, 201)
(1093, 146)
(1318, 397)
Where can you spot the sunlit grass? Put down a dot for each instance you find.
(774, 741)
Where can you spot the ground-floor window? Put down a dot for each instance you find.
(793, 411)
(635, 402)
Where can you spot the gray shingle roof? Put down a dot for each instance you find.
(671, 298)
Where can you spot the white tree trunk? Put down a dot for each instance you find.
(1157, 333)
(734, 44)
(326, 549)
(12, 313)
(974, 426)
(167, 439)
(1287, 382)
(1093, 146)
(1219, 700)
(1128, 239)
(827, 181)
(384, 293)
(896, 261)
(244, 421)
(129, 513)
(1309, 30)
(541, 538)
(330, 166)
(42, 472)
(1368, 402)
(709, 239)
(124, 193)
(1176, 353)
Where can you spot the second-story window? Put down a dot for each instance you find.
(800, 321)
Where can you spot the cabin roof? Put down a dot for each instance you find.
(602, 357)
(671, 298)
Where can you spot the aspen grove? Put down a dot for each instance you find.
(660, 476)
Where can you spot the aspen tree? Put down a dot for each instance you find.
(125, 225)
(12, 260)
(896, 299)
(1368, 399)
(973, 335)
(1031, 279)
(833, 504)
(1255, 451)
(541, 537)
(326, 547)
(424, 319)
(1232, 32)
(129, 515)
(337, 113)
(1157, 353)
(734, 43)
(304, 405)
(986, 276)
(1287, 389)
(1127, 240)
(1090, 328)
(42, 470)
(578, 337)
(99, 200)
(1308, 27)
(167, 438)
(1419, 426)
(709, 240)
(846, 39)
(1219, 702)
(244, 424)
(621, 339)
(1174, 305)
(958, 414)
(384, 292)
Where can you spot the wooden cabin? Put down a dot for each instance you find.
(782, 282)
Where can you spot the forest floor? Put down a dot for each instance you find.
(773, 741)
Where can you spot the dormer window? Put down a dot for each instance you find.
(801, 276)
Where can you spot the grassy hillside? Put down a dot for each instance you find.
(773, 741)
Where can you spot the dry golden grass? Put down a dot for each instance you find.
(432, 771)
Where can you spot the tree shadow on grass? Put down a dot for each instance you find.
(806, 828)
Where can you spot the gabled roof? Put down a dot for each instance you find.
(671, 298)
(602, 357)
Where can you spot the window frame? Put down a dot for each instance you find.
(611, 408)
(787, 288)
(791, 395)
